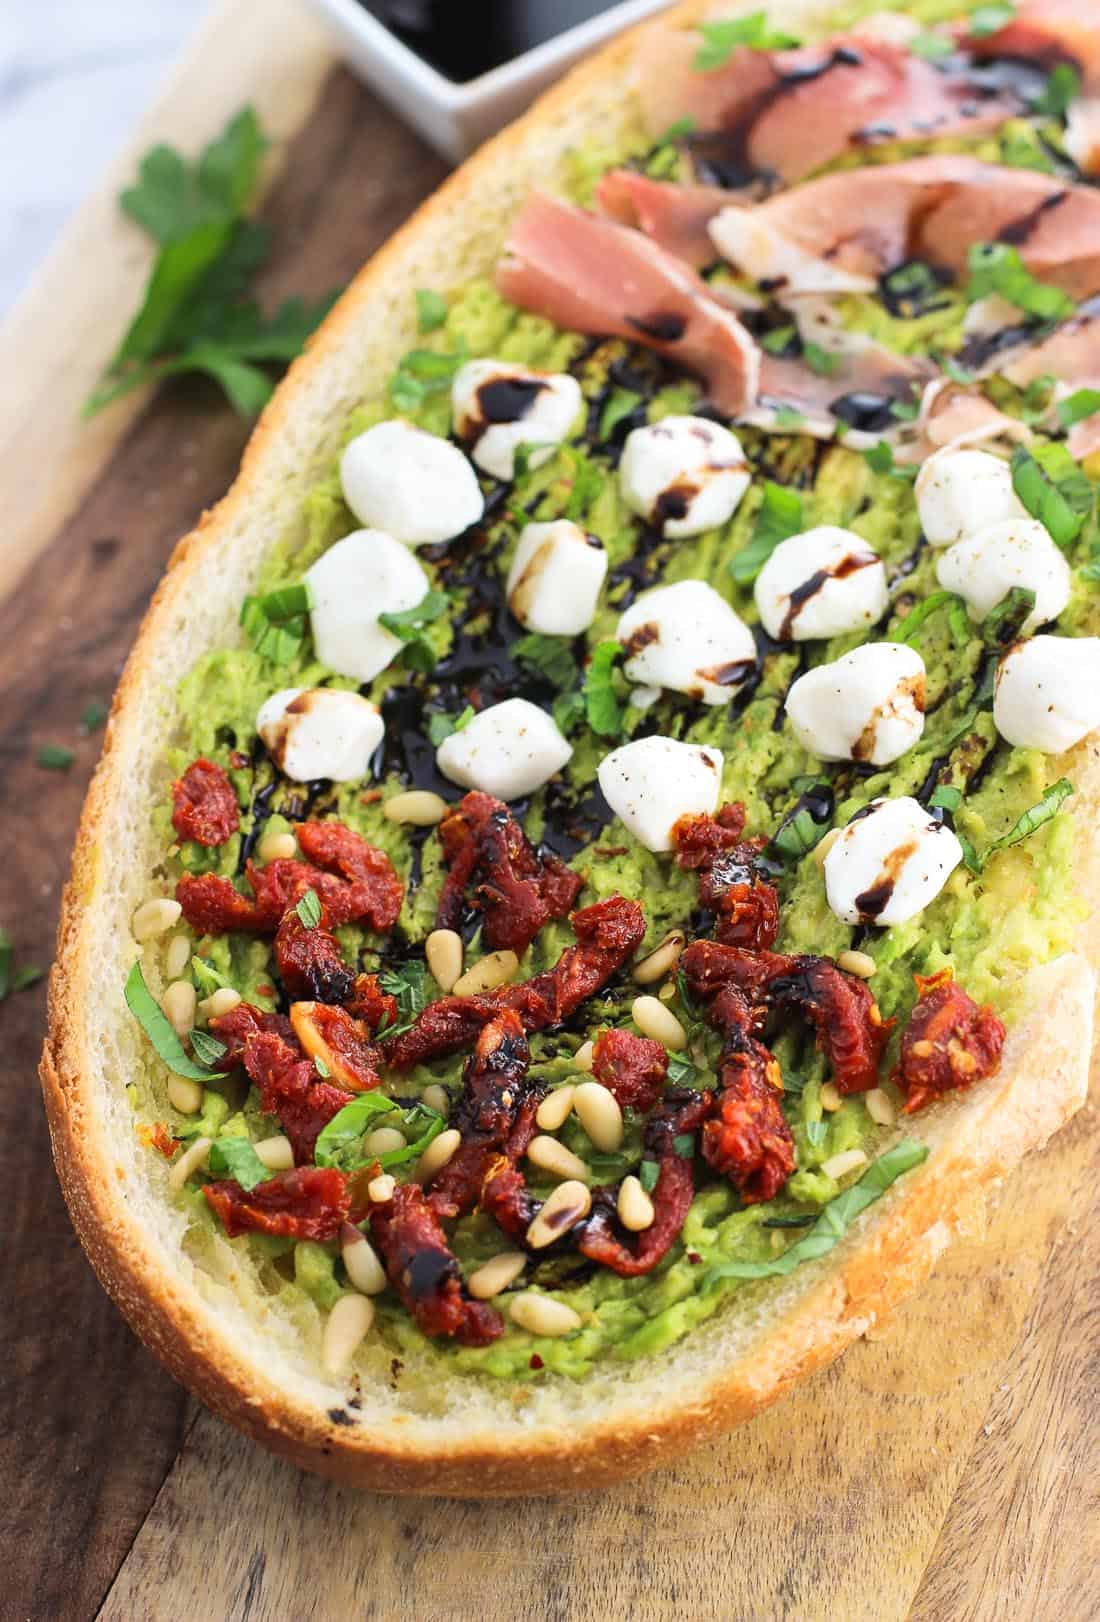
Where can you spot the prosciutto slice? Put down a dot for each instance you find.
(788, 113)
(1048, 32)
(675, 217)
(591, 274)
(1072, 355)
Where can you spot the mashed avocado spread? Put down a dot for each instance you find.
(990, 927)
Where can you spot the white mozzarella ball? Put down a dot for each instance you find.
(320, 732)
(366, 574)
(891, 860)
(508, 750)
(652, 782)
(986, 566)
(686, 638)
(867, 705)
(555, 579)
(961, 491)
(499, 406)
(1047, 693)
(417, 487)
(684, 474)
(822, 583)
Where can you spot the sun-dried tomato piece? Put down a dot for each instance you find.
(949, 1042)
(631, 1067)
(495, 1113)
(745, 905)
(423, 1270)
(496, 872)
(204, 804)
(748, 1139)
(375, 891)
(603, 1239)
(291, 1089)
(241, 1022)
(311, 964)
(607, 933)
(308, 1203)
(370, 1004)
(213, 906)
(341, 1044)
(505, 1198)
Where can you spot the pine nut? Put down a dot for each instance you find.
(154, 917)
(496, 969)
(824, 846)
(184, 1095)
(653, 1019)
(178, 1003)
(539, 1315)
(496, 1275)
(635, 1206)
(418, 806)
(830, 1098)
(275, 847)
(380, 1189)
(880, 1106)
(667, 991)
(219, 1002)
(347, 1327)
(550, 1155)
(177, 957)
(437, 1098)
(437, 1154)
(663, 958)
(361, 1262)
(384, 1140)
(190, 1160)
(554, 1109)
(861, 964)
(565, 1207)
(583, 1056)
(443, 950)
(840, 1165)
(275, 1153)
(599, 1113)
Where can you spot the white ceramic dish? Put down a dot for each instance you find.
(455, 118)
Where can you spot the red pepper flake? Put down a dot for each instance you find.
(370, 797)
(694, 1257)
(265, 990)
(536, 1361)
(157, 1137)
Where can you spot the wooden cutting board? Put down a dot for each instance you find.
(946, 1470)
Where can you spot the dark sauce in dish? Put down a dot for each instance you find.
(463, 41)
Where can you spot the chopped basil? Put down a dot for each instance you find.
(409, 625)
(236, 1158)
(552, 656)
(797, 835)
(996, 267)
(721, 39)
(789, 1222)
(684, 1144)
(154, 1022)
(834, 1221)
(309, 910)
(986, 20)
(423, 372)
(276, 623)
(431, 310)
(648, 1173)
(956, 612)
(946, 798)
(1004, 622)
(681, 1071)
(409, 985)
(1057, 494)
(207, 1049)
(1034, 817)
(779, 516)
(569, 710)
(622, 403)
(779, 339)
(880, 459)
(340, 1142)
(442, 726)
(1062, 87)
(585, 479)
(819, 360)
(601, 701)
(1077, 406)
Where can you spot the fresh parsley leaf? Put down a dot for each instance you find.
(422, 373)
(551, 656)
(648, 1173)
(442, 726)
(996, 267)
(206, 1048)
(779, 516)
(1006, 619)
(681, 1071)
(1062, 88)
(309, 910)
(1077, 406)
(154, 1022)
(601, 702)
(54, 757)
(684, 1144)
(721, 39)
(880, 459)
(621, 404)
(986, 20)
(340, 1142)
(1058, 495)
(277, 639)
(835, 1219)
(568, 710)
(431, 310)
(821, 361)
(235, 1157)
(409, 625)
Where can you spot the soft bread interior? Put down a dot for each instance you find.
(204, 1310)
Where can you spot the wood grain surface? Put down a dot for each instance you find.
(945, 1471)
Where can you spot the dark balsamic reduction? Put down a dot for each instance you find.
(507, 399)
(869, 412)
(464, 40)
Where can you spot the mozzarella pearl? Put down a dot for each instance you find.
(417, 487)
(685, 474)
(962, 491)
(890, 861)
(508, 750)
(555, 579)
(652, 782)
(366, 574)
(688, 639)
(498, 407)
(867, 705)
(822, 583)
(320, 732)
(1047, 693)
(985, 567)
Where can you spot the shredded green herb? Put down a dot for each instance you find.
(154, 1022)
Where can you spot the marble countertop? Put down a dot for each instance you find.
(75, 76)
